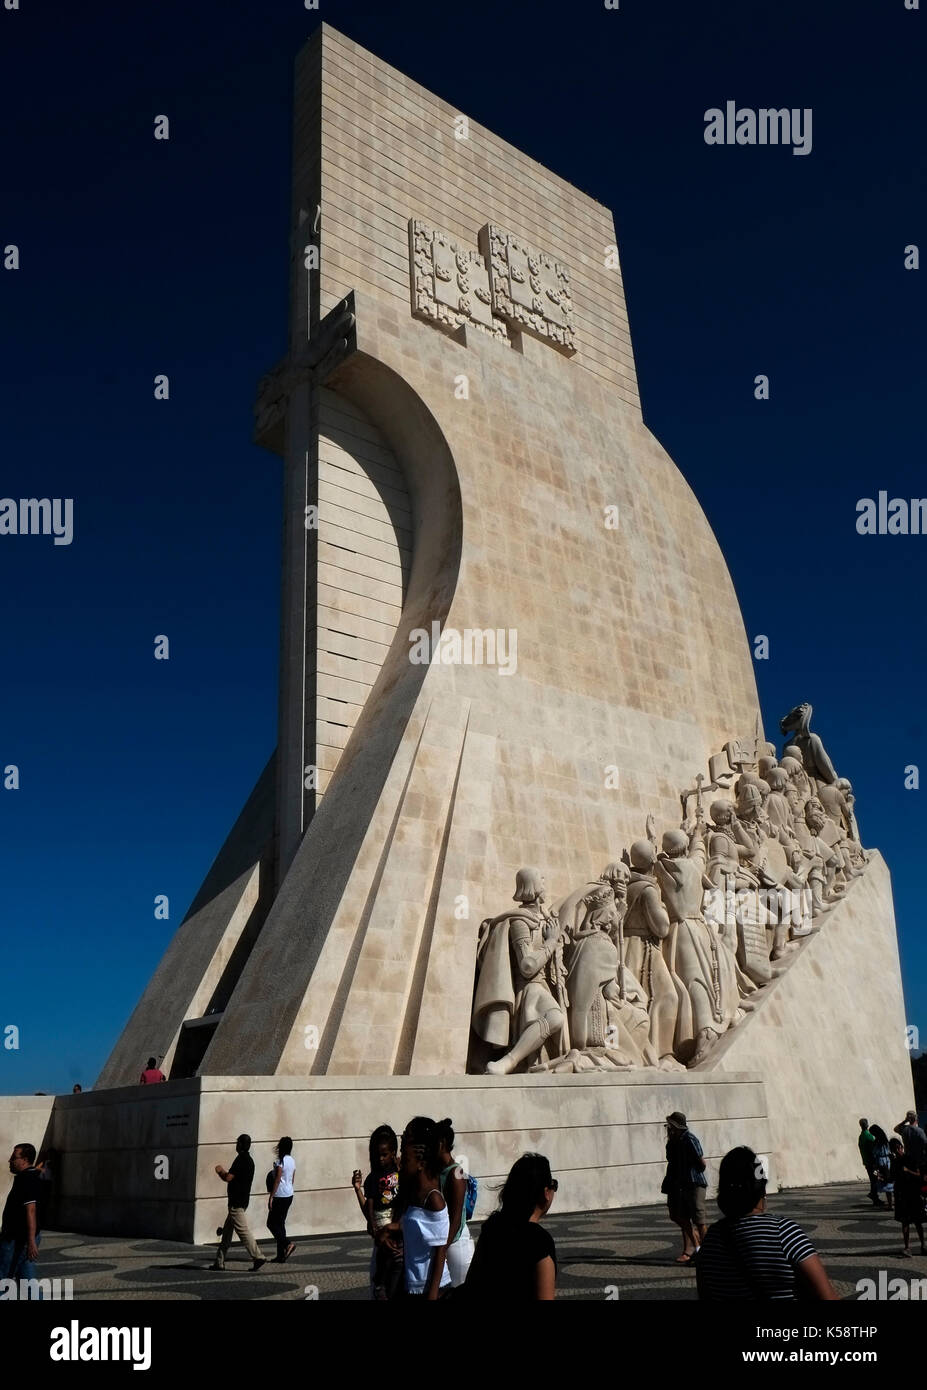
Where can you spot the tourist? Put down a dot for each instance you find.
(866, 1144)
(240, 1178)
(453, 1183)
(882, 1164)
(685, 1185)
(151, 1074)
(76, 1089)
(422, 1217)
(21, 1224)
(515, 1260)
(909, 1199)
(377, 1195)
(914, 1140)
(751, 1254)
(280, 1181)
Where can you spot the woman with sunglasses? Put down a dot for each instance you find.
(515, 1258)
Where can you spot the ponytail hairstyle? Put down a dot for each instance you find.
(421, 1134)
(383, 1134)
(525, 1188)
(445, 1132)
(740, 1184)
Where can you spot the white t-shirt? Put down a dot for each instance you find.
(421, 1231)
(285, 1185)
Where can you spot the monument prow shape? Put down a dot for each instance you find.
(464, 455)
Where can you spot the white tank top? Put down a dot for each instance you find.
(421, 1231)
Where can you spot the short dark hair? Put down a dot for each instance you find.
(151, 1064)
(383, 1134)
(740, 1186)
(243, 1141)
(525, 1188)
(284, 1146)
(27, 1151)
(864, 1124)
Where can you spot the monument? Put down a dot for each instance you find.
(523, 854)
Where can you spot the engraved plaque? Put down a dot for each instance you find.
(529, 288)
(450, 284)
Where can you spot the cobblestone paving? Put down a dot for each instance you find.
(633, 1248)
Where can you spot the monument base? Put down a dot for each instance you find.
(823, 1046)
(140, 1161)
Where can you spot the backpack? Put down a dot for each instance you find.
(269, 1180)
(470, 1196)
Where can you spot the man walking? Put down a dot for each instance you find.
(239, 1178)
(22, 1217)
(867, 1144)
(685, 1185)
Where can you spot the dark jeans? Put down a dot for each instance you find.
(13, 1261)
(276, 1223)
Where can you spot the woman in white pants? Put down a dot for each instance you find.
(453, 1182)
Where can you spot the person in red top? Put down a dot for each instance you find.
(151, 1073)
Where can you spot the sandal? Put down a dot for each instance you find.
(683, 1259)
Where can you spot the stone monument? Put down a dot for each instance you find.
(495, 653)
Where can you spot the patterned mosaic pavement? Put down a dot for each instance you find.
(632, 1250)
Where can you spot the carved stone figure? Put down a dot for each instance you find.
(837, 800)
(778, 809)
(752, 829)
(650, 965)
(734, 846)
(799, 788)
(601, 1017)
(646, 928)
(727, 853)
(514, 1006)
(846, 789)
(797, 723)
(694, 959)
(819, 858)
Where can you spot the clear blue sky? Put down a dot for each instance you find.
(141, 257)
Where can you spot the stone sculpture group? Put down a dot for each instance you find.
(650, 964)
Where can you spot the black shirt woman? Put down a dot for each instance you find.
(515, 1260)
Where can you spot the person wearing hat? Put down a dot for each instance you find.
(239, 1178)
(685, 1185)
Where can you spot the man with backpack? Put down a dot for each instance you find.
(685, 1185)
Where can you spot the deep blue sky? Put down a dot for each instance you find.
(141, 257)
